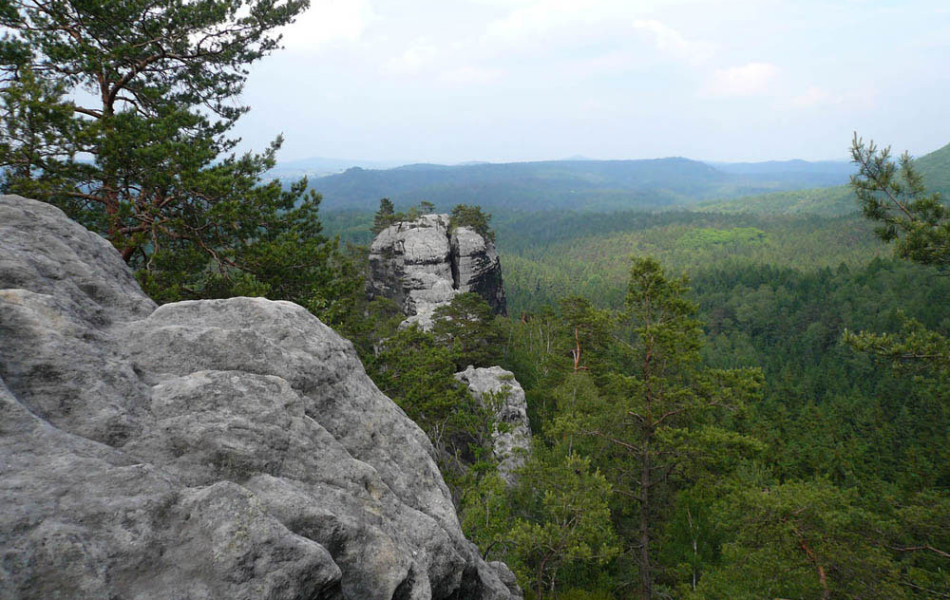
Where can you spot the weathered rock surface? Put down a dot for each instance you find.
(214, 449)
(498, 390)
(422, 265)
(479, 268)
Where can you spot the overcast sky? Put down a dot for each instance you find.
(511, 80)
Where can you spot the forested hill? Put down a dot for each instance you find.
(576, 184)
(832, 201)
(935, 168)
(792, 172)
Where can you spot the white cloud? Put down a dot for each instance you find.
(672, 42)
(533, 19)
(859, 99)
(753, 79)
(616, 29)
(814, 97)
(328, 21)
(471, 76)
(608, 63)
(441, 64)
(420, 57)
(566, 18)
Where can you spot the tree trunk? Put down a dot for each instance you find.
(822, 578)
(693, 534)
(646, 575)
(541, 577)
(577, 351)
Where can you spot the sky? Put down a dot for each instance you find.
(451, 81)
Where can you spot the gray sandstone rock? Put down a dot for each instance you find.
(212, 449)
(508, 578)
(497, 389)
(479, 269)
(422, 265)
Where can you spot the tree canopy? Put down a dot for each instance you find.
(120, 113)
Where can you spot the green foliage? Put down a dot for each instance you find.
(913, 348)
(592, 330)
(827, 202)
(486, 516)
(814, 534)
(467, 326)
(935, 169)
(571, 520)
(649, 424)
(369, 323)
(549, 256)
(464, 215)
(918, 224)
(893, 195)
(385, 216)
(417, 372)
(920, 536)
(143, 159)
(701, 238)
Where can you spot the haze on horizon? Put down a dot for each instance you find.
(519, 80)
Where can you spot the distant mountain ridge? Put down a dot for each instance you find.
(318, 166)
(838, 167)
(595, 185)
(835, 200)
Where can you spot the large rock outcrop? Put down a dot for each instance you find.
(498, 390)
(201, 450)
(423, 264)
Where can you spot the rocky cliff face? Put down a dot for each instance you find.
(214, 449)
(496, 389)
(422, 265)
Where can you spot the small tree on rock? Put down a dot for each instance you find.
(464, 215)
(385, 216)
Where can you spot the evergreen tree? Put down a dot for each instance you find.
(417, 372)
(145, 158)
(815, 535)
(893, 194)
(467, 326)
(385, 216)
(918, 224)
(591, 330)
(464, 215)
(571, 521)
(650, 418)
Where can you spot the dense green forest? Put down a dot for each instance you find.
(707, 423)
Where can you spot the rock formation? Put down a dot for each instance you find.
(423, 264)
(211, 449)
(498, 390)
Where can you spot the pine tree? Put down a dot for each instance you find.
(119, 113)
(571, 521)
(649, 422)
(464, 215)
(385, 216)
(894, 195)
(918, 223)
